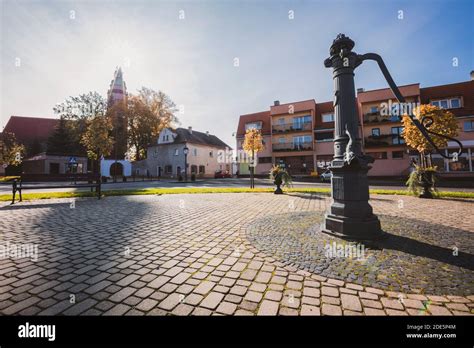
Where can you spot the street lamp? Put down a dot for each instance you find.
(185, 151)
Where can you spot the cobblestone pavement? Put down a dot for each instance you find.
(188, 255)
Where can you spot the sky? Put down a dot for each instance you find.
(51, 50)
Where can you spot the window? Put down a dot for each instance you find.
(193, 169)
(168, 169)
(397, 154)
(195, 152)
(324, 136)
(264, 160)
(202, 169)
(299, 122)
(302, 139)
(397, 138)
(374, 109)
(468, 126)
(378, 155)
(462, 165)
(455, 103)
(281, 121)
(302, 142)
(328, 117)
(256, 125)
(281, 140)
(450, 103)
(176, 152)
(211, 154)
(375, 132)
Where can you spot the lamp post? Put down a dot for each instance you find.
(185, 151)
(350, 214)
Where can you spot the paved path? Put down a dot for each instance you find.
(188, 255)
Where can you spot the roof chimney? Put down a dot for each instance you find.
(360, 90)
(276, 103)
(472, 75)
(190, 130)
(207, 133)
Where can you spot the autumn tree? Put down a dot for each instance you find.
(148, 113)
(444, 123)
(11, 152)
(253, 144)
(96, 139)
(423, 180)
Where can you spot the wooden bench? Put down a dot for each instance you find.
(75, 181)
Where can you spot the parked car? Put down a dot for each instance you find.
(326, 176)
(220, 174)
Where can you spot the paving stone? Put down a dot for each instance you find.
(328, 309)
(227, 308)
(373, 311)
(170, 302)
(204, 287)
(212, 300)
(310, 310)
(182, 309)
(438, 310)
(391, 303)
(119, 309)
(351, 302)
(268, 308)
(328, 291)
(371, 303)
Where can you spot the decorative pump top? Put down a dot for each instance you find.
(341, 42)
(343, 57)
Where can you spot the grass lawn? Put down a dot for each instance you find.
(166, 191)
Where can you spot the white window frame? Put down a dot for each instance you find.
(327, 114)
(448, 103)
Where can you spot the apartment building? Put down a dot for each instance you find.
(299, 135)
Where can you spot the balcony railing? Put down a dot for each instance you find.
(291, 127)
(306, 146)
(376, 117)
(383, 140)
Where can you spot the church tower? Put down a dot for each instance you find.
(118, 89)
(116, 103)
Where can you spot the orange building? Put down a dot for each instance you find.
(300, 135)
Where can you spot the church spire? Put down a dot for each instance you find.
(118, 89)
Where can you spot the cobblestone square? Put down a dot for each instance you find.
(189, 254)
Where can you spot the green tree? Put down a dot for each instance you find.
(62, 141)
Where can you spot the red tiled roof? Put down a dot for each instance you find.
(263, 116)
(386, 93)
(28, 129)
(465, 90)
(304, 105)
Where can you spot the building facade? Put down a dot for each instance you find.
(299, 135)
(165, 157)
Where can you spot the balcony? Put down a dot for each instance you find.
(376, 117)
(383, 140)
(306, 146)
(291, 127)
